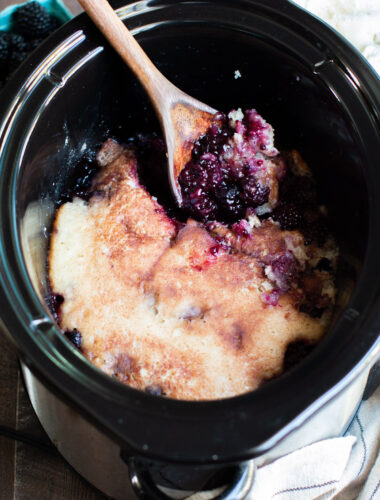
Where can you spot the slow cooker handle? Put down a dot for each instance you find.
(146, 489)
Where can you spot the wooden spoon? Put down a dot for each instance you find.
(182, 117)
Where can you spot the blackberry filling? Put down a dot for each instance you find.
(75, 338)
(227, 173)
(204, 308)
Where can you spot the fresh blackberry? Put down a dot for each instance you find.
(32, 20)
(15, 60)
(34, 43)
(55, 23)
(18, 51)
(4, 49)
(17, 43)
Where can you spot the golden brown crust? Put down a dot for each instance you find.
(158, 307)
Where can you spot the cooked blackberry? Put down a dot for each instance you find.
(226, 174)
(288, 215)
(55, 301)
(32, 20)
(75, 337)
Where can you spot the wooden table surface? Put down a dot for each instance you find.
(30, 467)
(29, 464)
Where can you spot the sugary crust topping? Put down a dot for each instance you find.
(194, 311)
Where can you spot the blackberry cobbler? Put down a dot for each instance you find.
(207, 306)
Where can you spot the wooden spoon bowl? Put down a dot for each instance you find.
(183, 118)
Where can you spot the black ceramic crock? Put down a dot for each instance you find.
(321, 97)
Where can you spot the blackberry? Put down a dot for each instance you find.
(4, 49)
(202, 206)
(32, 20)
(193, 177)
(17, 43)
(230, 205)
(75, 337)
(288, 215)
(34, 43)
(15, 60)
(55, 23)
(254, 193)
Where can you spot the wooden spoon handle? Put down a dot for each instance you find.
(125, 44)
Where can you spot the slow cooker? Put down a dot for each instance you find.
(323, 99)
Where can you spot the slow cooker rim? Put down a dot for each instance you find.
(153, 401)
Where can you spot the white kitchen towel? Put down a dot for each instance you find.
(308, 473)
(345, 468)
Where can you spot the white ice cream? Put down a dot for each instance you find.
(357, 20)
